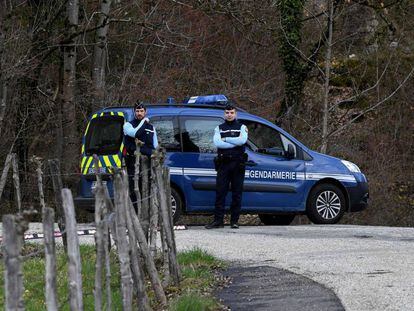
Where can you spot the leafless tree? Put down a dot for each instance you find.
(68, 89)
(100, 50)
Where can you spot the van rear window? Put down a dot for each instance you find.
(105, 135)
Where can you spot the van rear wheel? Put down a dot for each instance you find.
(276, 220)
(326, 204)
(176, 205)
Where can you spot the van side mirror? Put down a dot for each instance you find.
(290, 153)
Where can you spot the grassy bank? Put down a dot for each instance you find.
(194, 293)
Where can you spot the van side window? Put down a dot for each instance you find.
(168, 133)
(266, 140)
(197, 134)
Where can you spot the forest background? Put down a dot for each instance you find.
(338, 75)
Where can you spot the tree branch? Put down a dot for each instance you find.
(369, 109)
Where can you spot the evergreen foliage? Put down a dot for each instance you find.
(291, 16)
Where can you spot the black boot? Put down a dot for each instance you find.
(215, 224)
(234, 225)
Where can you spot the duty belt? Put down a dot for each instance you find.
(231, 157)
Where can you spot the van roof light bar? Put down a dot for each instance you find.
(207, 99)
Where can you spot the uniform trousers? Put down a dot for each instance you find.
(230, 172)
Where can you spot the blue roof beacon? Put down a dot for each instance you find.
(283, 178)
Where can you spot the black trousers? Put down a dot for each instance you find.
(229, 173)
(130, 165)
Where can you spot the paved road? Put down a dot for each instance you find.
(265, 288)
(368, 268)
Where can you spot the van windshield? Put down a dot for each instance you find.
(104, 135)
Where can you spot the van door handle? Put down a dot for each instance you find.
(251, 163)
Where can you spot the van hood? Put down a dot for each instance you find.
(326, 163)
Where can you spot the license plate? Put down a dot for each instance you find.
(101, 170)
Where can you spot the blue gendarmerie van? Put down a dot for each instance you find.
(283, 177)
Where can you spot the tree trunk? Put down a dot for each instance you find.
(70, 135)
(3, 84)
(99, 51)
(325, 116)
(6, 169)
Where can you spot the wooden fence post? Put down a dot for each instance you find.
(136, 176)
(16, 182)
(122, 244)
(13, 264)
(6, 169)
(39, 173)
(99, 235)
(136, 264)
(111, 214)
(165, 256)
(173, 264)
(166, 220)
(103, 204)
(153, 225)
(48, 215)
(107, 248)
(54, 169)
(149, 261)
(108, 222)
(74, 268)
(48, 219)
(100, 251)
(145, 205)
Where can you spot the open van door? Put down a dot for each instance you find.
(103, 137)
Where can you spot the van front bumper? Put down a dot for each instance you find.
(87, 204)
(358, 197)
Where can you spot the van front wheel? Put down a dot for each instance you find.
(326, 204)
(276, 220)
(176, 205)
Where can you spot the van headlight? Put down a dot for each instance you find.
(351, 166)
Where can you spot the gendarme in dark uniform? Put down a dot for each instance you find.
(142, 129)
(229, 138)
